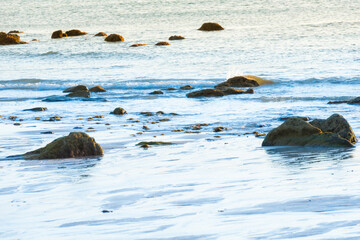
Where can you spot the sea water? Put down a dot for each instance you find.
(202, 187)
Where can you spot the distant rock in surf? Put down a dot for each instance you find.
(187, 87)
(10, 39)
(36, 109)
(76, 144)
(100, 34)
(97, 89)
(119, 111)
(352, 101)
(332, 132)
(82, 94)
(114, 38)
(176, 37)
(75, 32)
(58, 34)
(162, 44)
(218, 92)
(244, 81)
(156, 92)
(138, 45)
(15, 31)
(76, 89)
(211, 26)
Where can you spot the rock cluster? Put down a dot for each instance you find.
(10, 39)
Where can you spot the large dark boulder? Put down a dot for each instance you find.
(210, 26)
(77, 88)
(10, 39)
(76, 144)
(114, 38)
(58, 34)
(244, 81)
(75, 32)
(296, 132)
(336, 124)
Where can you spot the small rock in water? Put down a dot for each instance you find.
(36, 109)
(83, 94)
(74, 33)
(106, 211)
(114, 38)
(157, 92)
(211, 26)
(176, 37)
(78, 88)
(47, 132)
(187, 87)
(148, 114)
(77, 128)
(119, 111)
(17, 124)
(159, 113)
(220, 129)
(15, 31)
(100, 34)
(10, 39)
(145, 127)
(162, 44)
(58, 34)
(97, 89)
(206, 93)
(138, 45)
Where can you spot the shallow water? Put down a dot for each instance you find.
(202, 187)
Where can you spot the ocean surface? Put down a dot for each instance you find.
(202, 187)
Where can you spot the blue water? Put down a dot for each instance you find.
(203, 187)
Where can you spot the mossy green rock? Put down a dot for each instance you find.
(76, 144)
(296, 132)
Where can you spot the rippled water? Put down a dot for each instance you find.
(202, 187)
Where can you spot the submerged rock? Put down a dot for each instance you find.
(176, 37)
(206, 93)
(10, 39)
(219, 129)
(15, 31)
(187, 87)
(152, 143)
(75, 32)
(138, 45)
(58, 34)
(211, 26)
(352, 101)
(76, 144)
(100, 34)
(157, 92)
(83, 94)
(297, 132)
(119, 111)
(77, 88)
(162, 44)
(244, 81)
(114, 38)
(36, 109)
(97, 89)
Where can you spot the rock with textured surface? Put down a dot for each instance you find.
(244, 81)
(206, 93)
(296, 132)
(76, 89)
(10, 39)
(176, 37)
(75, 32)
(58, 34)
(162, 44)
(336, 124)
(76, 144)
(119, 111)
(114, 38)
(211, 26)
(101, 34)
(83, 94)
(97, 89)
